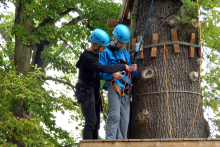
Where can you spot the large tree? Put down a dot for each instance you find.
(42, 35)
(150, 117)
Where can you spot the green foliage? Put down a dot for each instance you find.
(40, 104)
(210, 13)
(191, 9)
(56, 25)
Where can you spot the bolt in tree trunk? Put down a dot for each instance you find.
(149, 112)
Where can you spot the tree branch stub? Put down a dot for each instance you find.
(147, 74)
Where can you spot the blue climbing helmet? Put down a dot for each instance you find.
(122, 33)
(100, 37)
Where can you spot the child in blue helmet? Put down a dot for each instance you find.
(87, 88)
(118, 84)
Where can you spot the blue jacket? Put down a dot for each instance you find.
(107, 57)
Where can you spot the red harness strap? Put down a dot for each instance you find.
(126, 78)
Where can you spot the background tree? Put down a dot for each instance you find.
(149, 114)
(43, 35)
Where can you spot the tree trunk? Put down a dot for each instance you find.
(22, 56)
(182, 103)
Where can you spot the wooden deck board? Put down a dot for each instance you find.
(192, 142)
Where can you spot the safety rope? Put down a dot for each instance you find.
(168, 109)
(143, 33)
(160, 92)
(199, 77)
(166, 43)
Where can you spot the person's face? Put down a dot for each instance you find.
(101, 48)
(118, 43)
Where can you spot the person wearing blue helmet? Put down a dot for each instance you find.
(118, 84)
(87, 88)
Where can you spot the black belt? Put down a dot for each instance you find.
(85, 83)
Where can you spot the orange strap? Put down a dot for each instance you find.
(126, 78)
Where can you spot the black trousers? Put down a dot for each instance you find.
(91, 113)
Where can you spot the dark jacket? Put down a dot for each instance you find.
(89, 66)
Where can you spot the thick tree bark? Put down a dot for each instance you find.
(22, 56)
(182, 105)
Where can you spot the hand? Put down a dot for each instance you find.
(133, 67)
(117, 75)
(127, 67)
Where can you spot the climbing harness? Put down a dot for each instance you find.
(114, 85)
(118, 88)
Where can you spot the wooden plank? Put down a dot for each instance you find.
(127, 46)
(175, 38)
(188, 143)
(191, 49)
(123, 8)
(191, 142)
(86, 144)
(113, 22)
(134, 144)
(127, 10)
(206, 144)
(134, 40)
(200, 52)
(141, 53)
(154, 49)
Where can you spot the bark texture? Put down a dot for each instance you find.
(22, 56)
(182, 105)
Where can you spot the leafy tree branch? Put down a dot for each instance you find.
(61, 81)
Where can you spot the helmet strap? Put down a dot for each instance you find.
(96, 49)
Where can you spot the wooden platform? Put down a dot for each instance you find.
(152, 143)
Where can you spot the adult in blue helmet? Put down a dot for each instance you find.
(87, 88)
(118, 84)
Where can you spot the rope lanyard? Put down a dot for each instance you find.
(168, 109)
(142, 41)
